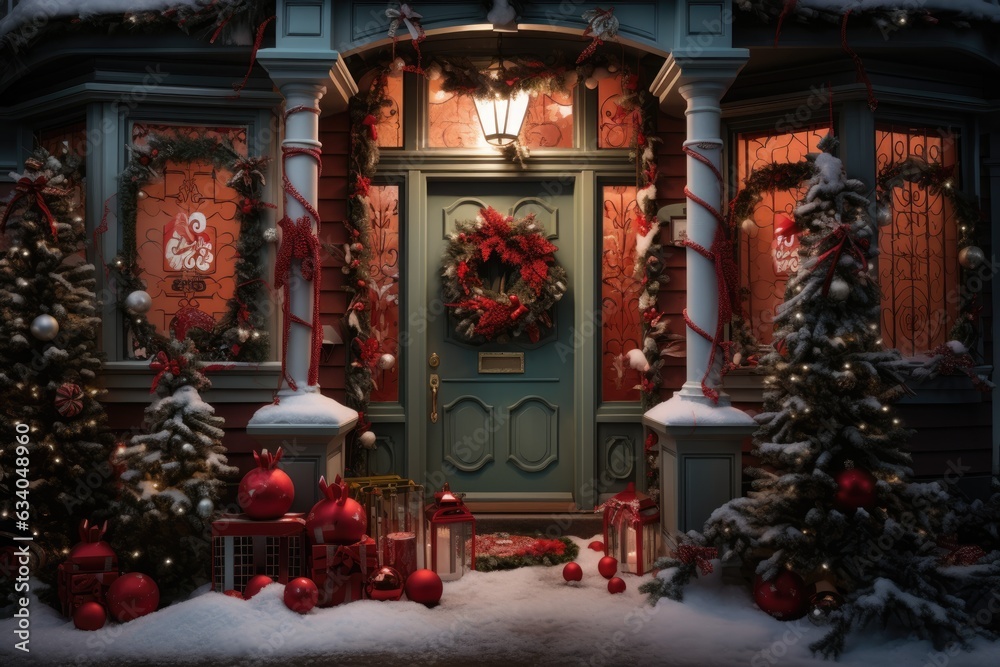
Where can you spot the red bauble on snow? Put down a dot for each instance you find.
(338, 518)
(783, 597)
(425, 587)
(301, 595)
(266, 492)
(131, 596)
(386, 584)
(607, 566)
(256, 584)
(69, 399)
(233, 593)
(90, 616)
(596, 545)
(573, 572)
(616, 585)
(855, 489)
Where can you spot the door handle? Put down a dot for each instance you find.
(435, 382)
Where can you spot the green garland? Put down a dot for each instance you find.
(241, 334)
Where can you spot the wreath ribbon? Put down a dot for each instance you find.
(843, 240)
(405, 15)
(33, 189)
(162, 364)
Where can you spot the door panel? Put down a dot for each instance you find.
(501, 436)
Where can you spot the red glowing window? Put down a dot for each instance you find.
(384, 272)
(614, 130)
(620, 289)
(390, 124)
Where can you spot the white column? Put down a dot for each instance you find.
(301, 131)
(704, 115)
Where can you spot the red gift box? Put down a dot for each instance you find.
(75, 588)
(341, 571)
(243, 547)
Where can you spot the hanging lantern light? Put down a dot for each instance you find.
(632, 530)
(451, 536)
(502, 115)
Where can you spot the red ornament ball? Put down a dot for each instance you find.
(132, 595)
(90, 616)
(855, 489)
(783, 597)
(596, 545)
(337, 518)
(233, 593)
(573, 572)
(256, 584)
(616, 585)
(69, 399)
(424, 586)
(386, 584)
(607, 566)
(301, 595)
(266, 492)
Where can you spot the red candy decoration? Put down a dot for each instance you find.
(596, 545)
(90, 616)
(855, 489)
(256, 585)
(783, 597)
(607, 566)
(132, 595)
(425, 587)
(338, 518)
(573, 572)
(616, 585)
(301, 595)
(266, 492)
(69, 399)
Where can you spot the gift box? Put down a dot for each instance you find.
(341, 571)
(243, 547)
(75, 587)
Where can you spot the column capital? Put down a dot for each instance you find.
(687, 73)
(324, 69)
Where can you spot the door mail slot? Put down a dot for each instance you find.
(501, 362)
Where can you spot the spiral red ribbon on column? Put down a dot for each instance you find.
(299, 242)
(721, 256)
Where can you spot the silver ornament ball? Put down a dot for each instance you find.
(44, 327)
(205, 508)
(971, 256)
(367, 439)
(187, 448)
(138, 302)
(386, 361)
(839, 290)
(884, 215)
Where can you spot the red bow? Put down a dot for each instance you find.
(371, 122)
(843, 240)
(520, 310)
(701, 556)
(966, 554)
(25, 187)
(162, 364)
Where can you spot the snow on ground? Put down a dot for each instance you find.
(522, 617)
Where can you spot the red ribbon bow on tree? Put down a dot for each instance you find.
(701, 556)
(843, 240)
(26, 187)
(162, 364)
(371, 121)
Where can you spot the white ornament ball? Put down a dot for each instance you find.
(396, 68)
(839, 290)
(44, 327)
(367, 439)
(590, 83)
(187, 448)
(434, 72)
(271, 235)
(612, 68)
(386, 361)
(138, 302)
(205, 508)
(971, 256)
(749, 227)
(884, 216)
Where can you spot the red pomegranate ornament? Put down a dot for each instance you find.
(337, 518)
(855, 489)
(783, 597)
(92, 554)
(266, 492)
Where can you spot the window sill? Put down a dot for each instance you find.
(129, 382)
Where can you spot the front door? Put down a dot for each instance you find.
(506, 438)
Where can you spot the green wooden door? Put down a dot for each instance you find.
(501, 437)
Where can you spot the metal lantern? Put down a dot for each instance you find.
(502, 114)
(451, 536)
(632, 530)
(396, 521)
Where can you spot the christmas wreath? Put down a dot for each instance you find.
(501, 278)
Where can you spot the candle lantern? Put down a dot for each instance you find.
(396, 521)
(451, 535)
(632, 530)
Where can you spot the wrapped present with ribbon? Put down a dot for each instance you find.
(341, 571)
(75, 588)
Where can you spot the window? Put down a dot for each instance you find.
(620, 289)
(390, 125)
(384, 275)
(613, 130)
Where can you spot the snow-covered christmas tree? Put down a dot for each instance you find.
(172, 478)
(55, 457)
(831, 504)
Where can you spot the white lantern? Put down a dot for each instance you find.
(501, 117)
